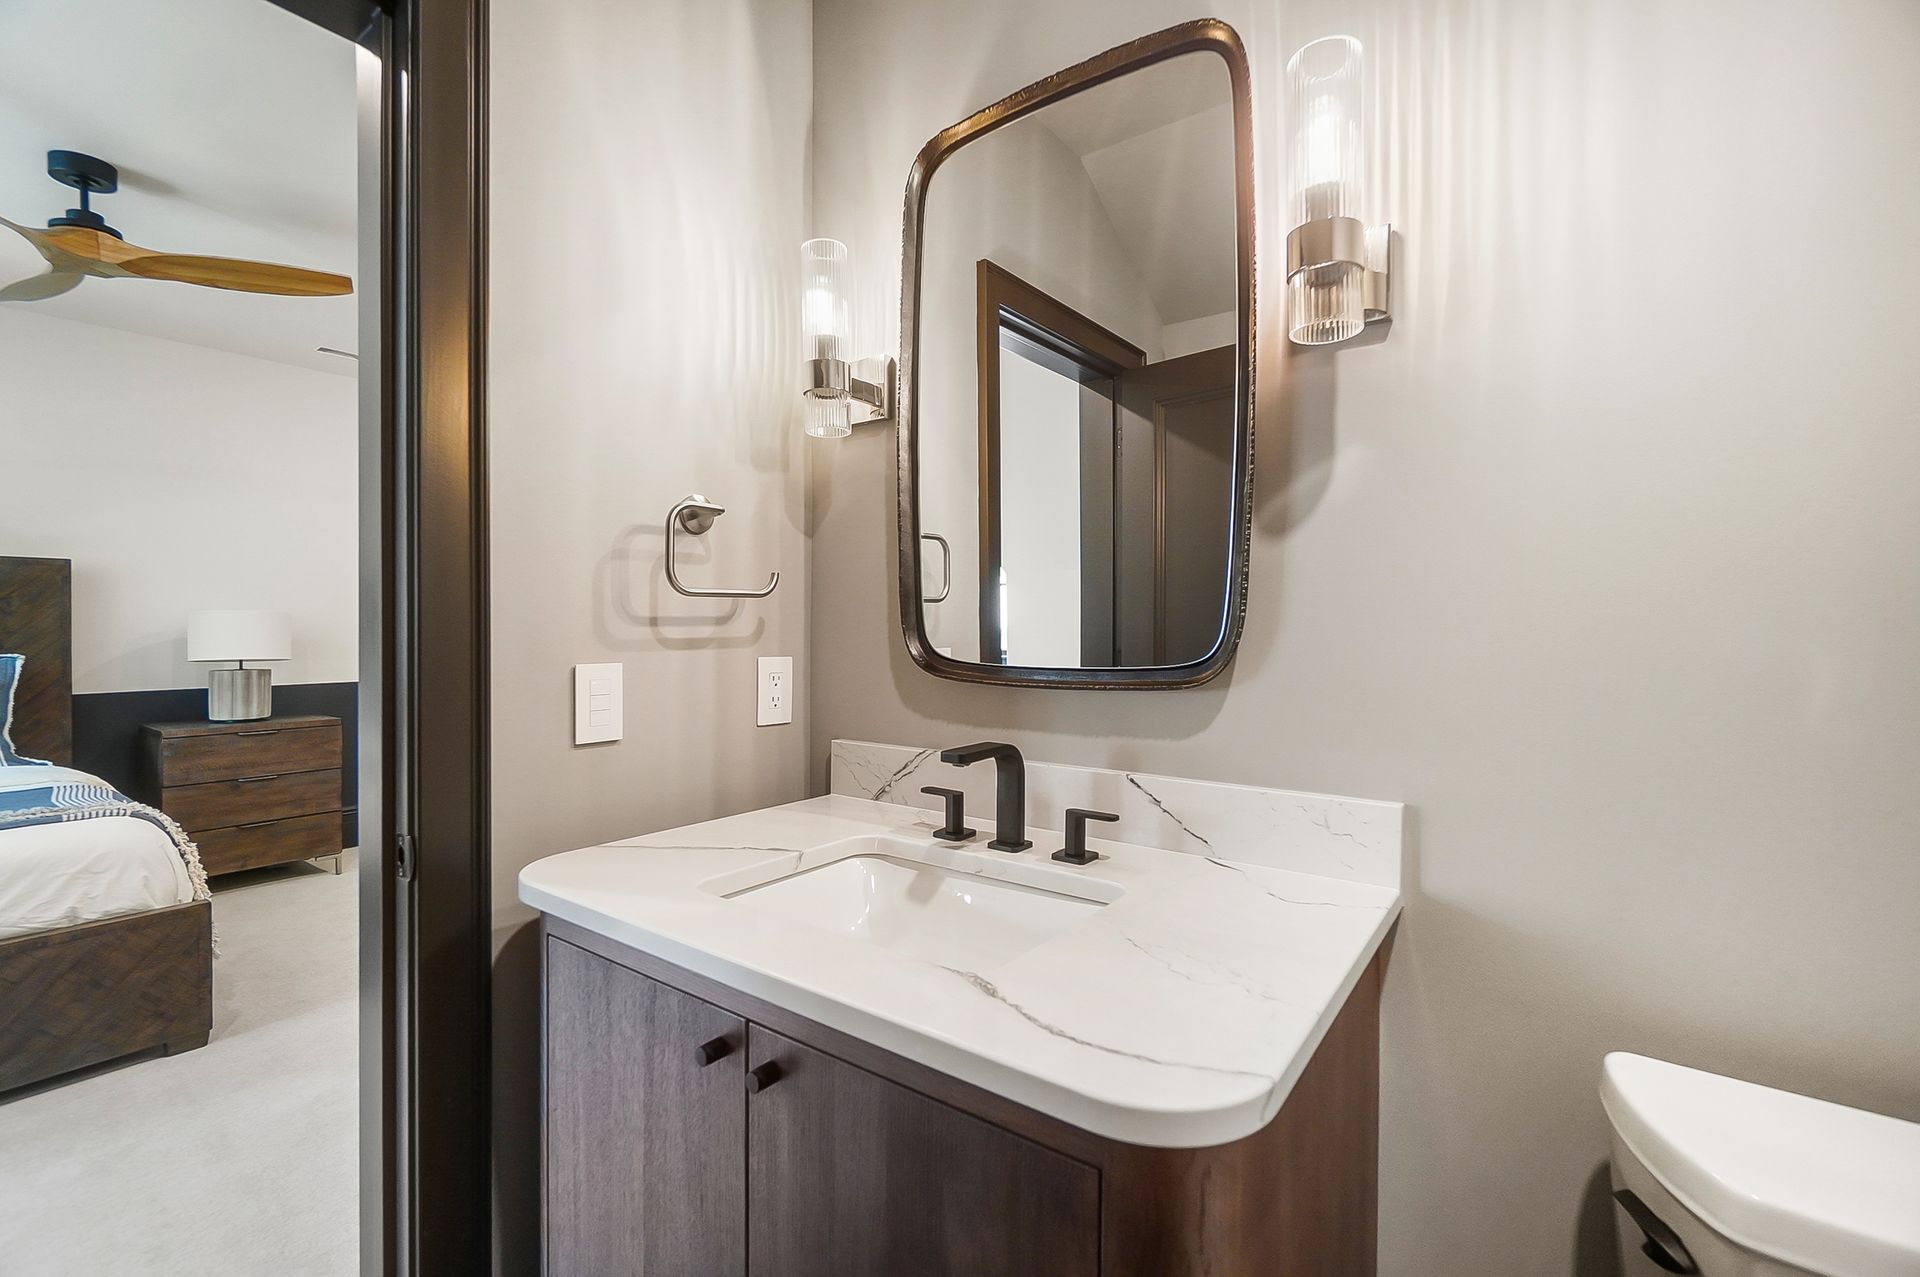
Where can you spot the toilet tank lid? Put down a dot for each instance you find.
(1835, 1190)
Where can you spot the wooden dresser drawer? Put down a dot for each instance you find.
(222, 804)
(257, 751)
(270, 842)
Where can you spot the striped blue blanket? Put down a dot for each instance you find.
(40, 794)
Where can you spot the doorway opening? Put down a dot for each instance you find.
(242, 602)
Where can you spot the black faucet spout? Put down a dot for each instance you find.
(1010, 790)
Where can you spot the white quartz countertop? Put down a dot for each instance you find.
(1178, 1015)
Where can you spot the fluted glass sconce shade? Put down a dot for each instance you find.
(829, 418)
(1323, 83)
(1326, 296)
(825, 316)
(836, 385)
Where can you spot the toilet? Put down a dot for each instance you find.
(1724, 1178)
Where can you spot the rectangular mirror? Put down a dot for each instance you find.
(1076, 375)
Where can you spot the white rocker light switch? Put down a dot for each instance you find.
(599, 713)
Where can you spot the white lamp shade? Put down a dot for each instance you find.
(239, 636)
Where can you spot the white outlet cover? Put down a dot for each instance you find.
(776, 691)
(599, 703)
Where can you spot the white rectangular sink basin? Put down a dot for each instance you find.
(921, 911)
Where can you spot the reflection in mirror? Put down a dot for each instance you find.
(1076, 363)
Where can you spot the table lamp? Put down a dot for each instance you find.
(234, 695)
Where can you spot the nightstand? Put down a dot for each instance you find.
(251, 793)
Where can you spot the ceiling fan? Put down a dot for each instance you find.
(82, 244)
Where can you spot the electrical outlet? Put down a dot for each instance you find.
(776, 690)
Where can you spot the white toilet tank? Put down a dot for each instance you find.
(1724, 1178)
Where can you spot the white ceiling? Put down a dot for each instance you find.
(1139, 102)
(233, 125)
(1158, 147)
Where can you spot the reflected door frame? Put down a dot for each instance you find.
(1157, 397)
(1008, 309)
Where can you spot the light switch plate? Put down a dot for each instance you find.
(776, 690)
(599, 703)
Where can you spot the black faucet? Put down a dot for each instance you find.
(1010, 790)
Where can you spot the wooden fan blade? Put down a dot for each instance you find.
(89, 245)
(75, 242)
(236, 274)
(77, 247)
(40, 287)
(33, 235)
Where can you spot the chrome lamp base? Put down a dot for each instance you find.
(238, 695)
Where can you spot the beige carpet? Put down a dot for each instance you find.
(240, 1158)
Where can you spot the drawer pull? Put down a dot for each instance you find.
(712, 1051)
(759, 1079)
(249, 780)
(260, 731)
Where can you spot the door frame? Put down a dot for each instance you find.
(425, 871)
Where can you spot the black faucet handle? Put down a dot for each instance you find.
(956, 827)
(1076, 852)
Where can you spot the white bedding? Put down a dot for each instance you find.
(57, 875)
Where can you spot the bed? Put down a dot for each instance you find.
(105, 951)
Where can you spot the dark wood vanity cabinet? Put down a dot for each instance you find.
(661, 1162)
(693, 1131)
(850, 1175)
(645, 1146)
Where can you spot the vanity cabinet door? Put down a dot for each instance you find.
(645, 1169)
(850, 1175)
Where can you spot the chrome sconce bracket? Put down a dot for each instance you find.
(1376, 285)
(835, 378)
(1326, 245)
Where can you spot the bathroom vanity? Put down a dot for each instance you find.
(852, 1037)
(817, 1039)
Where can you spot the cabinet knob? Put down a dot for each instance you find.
(708, 1052)
(762, 1077)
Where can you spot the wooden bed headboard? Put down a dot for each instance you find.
(36, 620)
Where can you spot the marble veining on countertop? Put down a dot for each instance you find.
(1178, 1015)
(1354, 838)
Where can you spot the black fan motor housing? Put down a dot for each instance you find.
(89, 176)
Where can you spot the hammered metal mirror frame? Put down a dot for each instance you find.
(1205, 36)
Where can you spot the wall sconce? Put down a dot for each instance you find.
(1338, 267)
(833, 391)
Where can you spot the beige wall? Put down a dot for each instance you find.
(648, 201)
(1606, 558)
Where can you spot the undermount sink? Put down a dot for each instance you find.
(919, 910)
